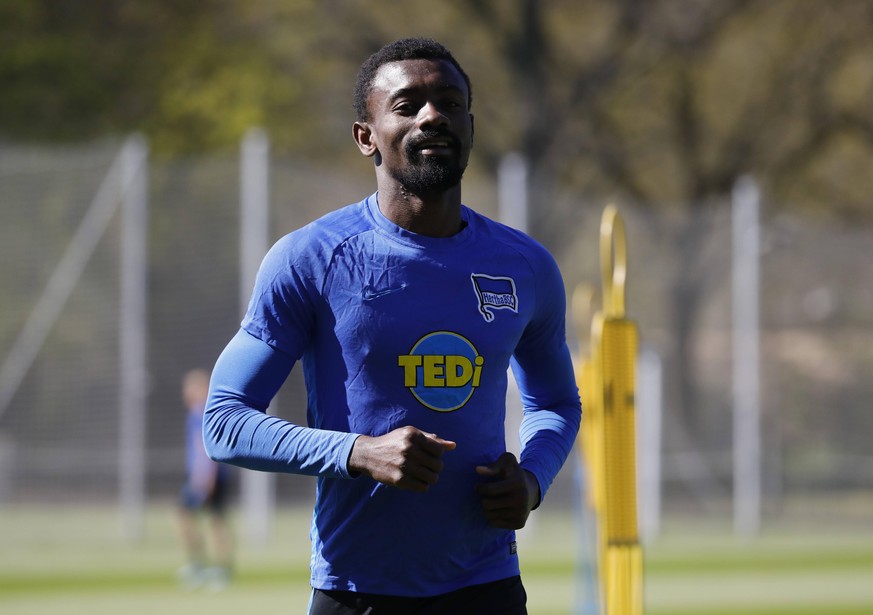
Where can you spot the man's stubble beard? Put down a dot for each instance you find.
(429, 174)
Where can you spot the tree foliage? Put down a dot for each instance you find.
(664, 102)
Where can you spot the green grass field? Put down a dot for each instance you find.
(72, 561)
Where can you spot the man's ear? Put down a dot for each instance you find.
(364, 138)
(472, 129)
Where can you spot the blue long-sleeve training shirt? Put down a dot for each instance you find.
(396, 329)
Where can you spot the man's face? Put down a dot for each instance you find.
(420, 124)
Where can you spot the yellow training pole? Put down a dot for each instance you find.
(587, 379)
(618, 346)
(589, 442)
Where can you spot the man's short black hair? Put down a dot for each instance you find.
(403, 49)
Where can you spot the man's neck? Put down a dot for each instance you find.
(432, 215)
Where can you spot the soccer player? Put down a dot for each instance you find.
(205, 491)
(407, 309)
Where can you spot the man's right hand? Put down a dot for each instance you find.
(407, 458)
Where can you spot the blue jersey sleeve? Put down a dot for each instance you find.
(543, 368)
(237, 429)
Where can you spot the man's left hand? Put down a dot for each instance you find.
(512, 493)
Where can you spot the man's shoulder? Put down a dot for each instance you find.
(508, 236)
(309, 249)
(328, 231)
(339, 224)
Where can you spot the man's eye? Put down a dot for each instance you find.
(454, 105)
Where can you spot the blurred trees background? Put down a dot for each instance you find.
(660, 101)
(662, 104)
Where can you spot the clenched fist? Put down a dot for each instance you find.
(510, 495)
(407, 458)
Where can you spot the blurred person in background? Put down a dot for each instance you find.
(205, 492)
(407, 310)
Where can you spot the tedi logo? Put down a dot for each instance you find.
(442, 370)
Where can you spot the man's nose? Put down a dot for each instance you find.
(430, 116)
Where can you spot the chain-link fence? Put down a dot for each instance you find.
(59, 433)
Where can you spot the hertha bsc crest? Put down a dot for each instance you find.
(494, 293)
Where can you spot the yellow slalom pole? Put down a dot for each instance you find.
(587, 379)
(607, 438)
(622, 564)
(589, 443)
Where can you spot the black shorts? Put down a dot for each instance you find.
(505, 597)
(215, 503)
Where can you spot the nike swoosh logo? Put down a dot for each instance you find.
(370, 293)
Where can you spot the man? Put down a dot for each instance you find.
(407, 310)
(205, 491)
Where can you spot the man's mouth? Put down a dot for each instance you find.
(439, 146)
